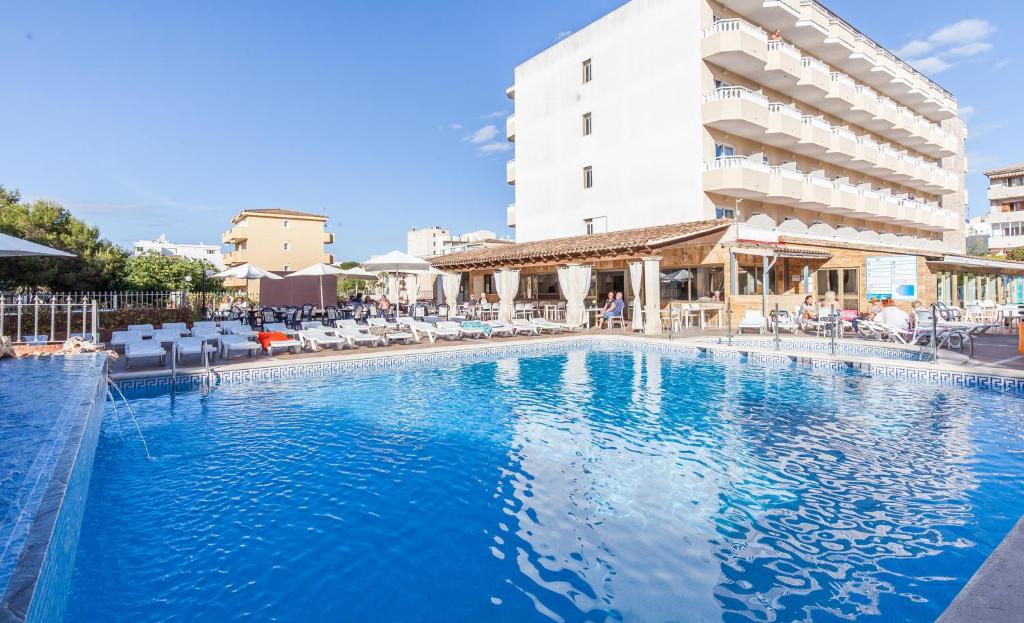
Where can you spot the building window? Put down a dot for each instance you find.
(287, 267)
(587, 127)
(844, 282)
(588, 177)
(287, 246)
(286, 223)
(587, 71)
(724, 212)
(488, 284)
(723, 150)
(589, 224)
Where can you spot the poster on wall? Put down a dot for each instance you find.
(892, 277)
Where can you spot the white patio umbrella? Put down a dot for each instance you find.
(318, 270)
(247, 272)
(12, 247)
(358, 272)
(395, 262)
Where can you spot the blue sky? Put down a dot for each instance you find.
(149, 118)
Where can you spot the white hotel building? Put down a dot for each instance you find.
(753, 150)
(666, 112)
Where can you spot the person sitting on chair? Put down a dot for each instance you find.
(892, 316)
(617, 303)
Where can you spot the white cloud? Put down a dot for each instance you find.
(944, 47)
(1003, 63)
(483, 135)
(931, 65)
(915, 48)
(563, 34)
(970, 49)
(455, 125)
(963, 31)
(497, 114)
(966, 112)
(495, 147)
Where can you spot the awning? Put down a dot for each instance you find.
(778, 250)
(979, 262)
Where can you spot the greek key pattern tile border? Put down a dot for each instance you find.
(859, 350)
(146, 385)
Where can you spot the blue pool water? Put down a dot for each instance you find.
(588, 485)
(40, 405)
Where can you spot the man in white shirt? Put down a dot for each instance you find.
(892, 316)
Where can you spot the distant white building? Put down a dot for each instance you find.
(209, 252)
(435, 241)
(1004, 223)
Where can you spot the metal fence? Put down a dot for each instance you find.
(48, 319)
(109, 301)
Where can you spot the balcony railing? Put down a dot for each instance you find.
(729, 93)
(785, 109)
(783, 47)
(735, 162)
(734, 25)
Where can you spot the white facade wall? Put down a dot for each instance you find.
(210, 253)
(650, 143)
(644, 100)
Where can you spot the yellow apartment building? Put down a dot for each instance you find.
(277, 240)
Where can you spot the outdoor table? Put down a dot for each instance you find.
(592, 311)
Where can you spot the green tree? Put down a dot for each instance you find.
(152, 271)
(347, 285)
(97, 264)
(1016, 253)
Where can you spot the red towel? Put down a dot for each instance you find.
(266, 337)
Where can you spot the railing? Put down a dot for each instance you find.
(785, 109)
(842, 78)
(732, 162)
(729, 93)
(842, 132)
(733, 25)
(109, 301)
(53, 317)
(813, 63)
(781, 46)
(817, 122)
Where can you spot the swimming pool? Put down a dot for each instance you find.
(578, 484)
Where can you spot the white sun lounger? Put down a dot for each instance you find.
(230, 343)
(547, 325)
(316, 338)
(140, 349)
(120, 338)
(235, 327)
(279, 327)
(752, 319)
(499, 327)
(192, 346)
(464, 331)
(145, 330)
(354, 336)
(204, 326)
(165, 337)
(527, 327)
(522, 323)
(393, 333)
(174, 326)
(432, 332)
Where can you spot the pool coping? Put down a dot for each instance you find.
(994, 593)
(46, 557)
(755, 349)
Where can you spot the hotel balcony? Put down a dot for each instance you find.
(741, 47)
(1003, 192)
(328, 237)
(742, 112)
(510, 215)
(511, 92)
(510, 172)
(749, 178)
(234, 258)
(328, 258)
(828, 37)
(235, 234)
(510, 128)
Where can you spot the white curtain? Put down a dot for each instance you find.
(393, 292)
(507, 283)
(412, 289)
(451, 282)
(636, 275)
(574, 281)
